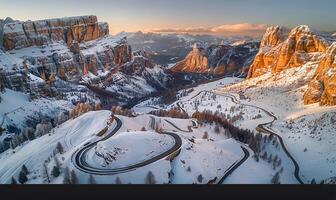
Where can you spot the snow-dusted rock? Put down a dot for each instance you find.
(41, 32)
(323, 86)
(277, 54)
(218, 59)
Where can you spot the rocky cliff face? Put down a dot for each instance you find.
(322, 87)
(218, 59)
(277, 53)
(195, 62)
(41, 60)
(25, 34)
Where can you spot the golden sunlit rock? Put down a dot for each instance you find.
(277, 53)
(323, 86)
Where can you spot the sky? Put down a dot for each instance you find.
(220, 17)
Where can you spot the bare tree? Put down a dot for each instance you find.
(206, 135)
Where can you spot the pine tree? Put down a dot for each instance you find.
(118, 181)
(24, 169)
(276, 178)
(73, 177)
(66, 178)
(31, 135)
(13, 181)
(150, 179)
(23, 177)
(313, 181)
(189, 169)
(59, 148)
(55, 171)
(200, 178)
(92, 180)
(264, 156)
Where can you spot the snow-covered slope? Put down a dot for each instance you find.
(306, 130)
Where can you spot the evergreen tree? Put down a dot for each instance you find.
(24, 169)
(13, 181)
(189, 169)
(23, 177)
(118, 181)
(200, 178)
(276, 178)
(55, 171)
(92, 180)
(313, 181)
(31, 135)
(59, 148)
(73, 177)
(150, 179)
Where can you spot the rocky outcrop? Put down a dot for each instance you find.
(41, 32)
(227, 59)
(277, 53)
(139, 63)
(2, 23)
(195, 62)
(322, 87)
(218, 59)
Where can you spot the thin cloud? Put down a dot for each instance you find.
(226, 29)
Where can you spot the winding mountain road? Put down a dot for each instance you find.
(260, 127)
(235, 165)
(80, 156)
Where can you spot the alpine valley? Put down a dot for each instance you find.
(79, 105)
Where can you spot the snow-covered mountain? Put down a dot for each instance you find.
(169, 48)
(63, 82)
(218, 59)
(45, 53)
(281, 50)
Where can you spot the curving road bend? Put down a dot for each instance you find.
(235, 165)
(79, 157)
(260, 127)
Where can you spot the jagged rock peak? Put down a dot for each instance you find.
(277, 54)
(41, 32)
(273, 36)
(322, 87)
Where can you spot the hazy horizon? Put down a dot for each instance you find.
(214, 17)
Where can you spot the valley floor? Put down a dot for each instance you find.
(131, 149)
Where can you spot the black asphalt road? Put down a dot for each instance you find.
(235, 165)
(79, 157)
(260, 127)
